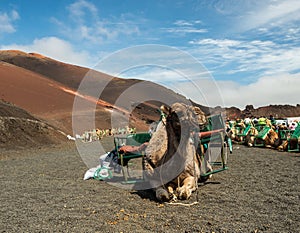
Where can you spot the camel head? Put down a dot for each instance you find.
(184, 118)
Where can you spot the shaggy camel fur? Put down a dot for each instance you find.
(172, 164)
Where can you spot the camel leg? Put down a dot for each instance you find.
(171, 190)
(283, 146)
(162, 194)
(185, 191)
(251, 141)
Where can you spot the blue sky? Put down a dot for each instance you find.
(251, 49)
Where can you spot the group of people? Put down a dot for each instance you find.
(98, 134)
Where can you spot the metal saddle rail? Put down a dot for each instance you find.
(130, 146)
(261, 136)
(208, 136)
(285, 134)
(294, 140)
(245, 131)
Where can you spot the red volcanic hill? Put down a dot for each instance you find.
(46, 88)
(36, 92)
(31, 90)
(71, 75)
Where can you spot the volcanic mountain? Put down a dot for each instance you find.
(47, 88)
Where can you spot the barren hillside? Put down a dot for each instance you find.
(46, 88)
(20, 129)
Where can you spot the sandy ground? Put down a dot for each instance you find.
(43, 190)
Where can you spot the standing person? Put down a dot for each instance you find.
(272, 119)
(247, 121)
(255, 121)
(293, 125)
(262, 121)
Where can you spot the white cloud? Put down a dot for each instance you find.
(183, 23)
(281, 60)
(265, 57)
(187, 23)
(269, 14)
(279, 89)
(55, 48)
(274, 89)
(6, 22)
(86, 25)
(155, 74)
(14, 15)
(184, 30)
(217, 42)
(80, 8)
(184, 26)
(153, 62)
(178, 71)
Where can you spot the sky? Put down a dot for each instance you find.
(215, 52)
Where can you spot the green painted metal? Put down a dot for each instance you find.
(295, 137)
(262, 133)
(259, 138)
(216, 122)
(229, 142)
(130, 140)
(285, 134)
(130, 181)
(214, 171)
(245, 131)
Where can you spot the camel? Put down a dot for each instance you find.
(238, 134)
(172, 161)
(264, 135)
(267, 137)
(250, 137)
(285, 137)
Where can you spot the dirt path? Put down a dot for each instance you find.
(43, 191)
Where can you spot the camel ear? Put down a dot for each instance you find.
(197, 110)
(200, 115)
(165, 109)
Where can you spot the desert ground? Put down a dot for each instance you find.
(42, 190)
